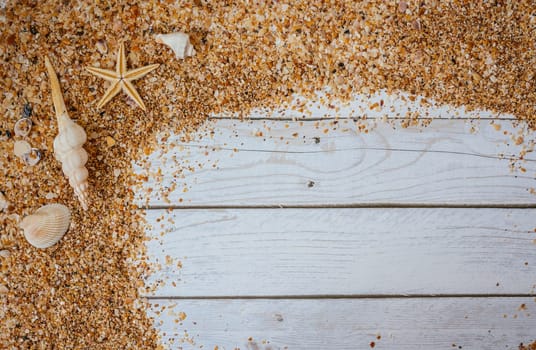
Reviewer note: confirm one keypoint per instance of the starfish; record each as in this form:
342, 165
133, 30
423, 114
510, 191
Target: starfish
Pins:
121, 79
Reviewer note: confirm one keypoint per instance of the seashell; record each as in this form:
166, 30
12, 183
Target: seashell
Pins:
23, 127
68, 144
178, 42
4, 253
33, 157
101, 46
21, 147
4, 203
47, 225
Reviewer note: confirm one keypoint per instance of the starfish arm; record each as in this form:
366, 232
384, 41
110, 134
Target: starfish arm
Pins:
103, 73
110, 93
121, 67
139, 72
130, 90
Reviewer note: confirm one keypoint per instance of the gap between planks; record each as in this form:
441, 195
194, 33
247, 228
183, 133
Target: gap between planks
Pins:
334, 296
319, 119
346, 206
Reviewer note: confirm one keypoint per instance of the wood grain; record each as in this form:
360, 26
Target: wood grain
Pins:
367, 251
322, 163
265, 279
347, 324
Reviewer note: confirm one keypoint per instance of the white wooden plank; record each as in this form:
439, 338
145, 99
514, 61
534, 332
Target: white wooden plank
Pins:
347, 324
376, 105
309, 163
367, 251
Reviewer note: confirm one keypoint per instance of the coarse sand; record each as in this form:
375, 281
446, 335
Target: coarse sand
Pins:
84, 292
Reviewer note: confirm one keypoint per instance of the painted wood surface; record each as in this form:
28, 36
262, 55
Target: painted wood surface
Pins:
347, 324
280, 163
233, 274
365, 251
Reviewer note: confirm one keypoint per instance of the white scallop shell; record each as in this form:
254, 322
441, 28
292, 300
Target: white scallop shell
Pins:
47, 225
68, 144
178, 42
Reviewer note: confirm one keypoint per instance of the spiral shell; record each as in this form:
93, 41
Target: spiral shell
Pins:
68, 144
47, 225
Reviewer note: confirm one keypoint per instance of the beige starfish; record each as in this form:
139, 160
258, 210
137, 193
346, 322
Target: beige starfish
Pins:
121, 79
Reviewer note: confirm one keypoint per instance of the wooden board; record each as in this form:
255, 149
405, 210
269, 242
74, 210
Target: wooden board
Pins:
442, 214
347, 324
321, 164
366, 251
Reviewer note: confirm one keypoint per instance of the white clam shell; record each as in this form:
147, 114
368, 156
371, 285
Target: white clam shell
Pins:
21, 147
178, 42
47, 225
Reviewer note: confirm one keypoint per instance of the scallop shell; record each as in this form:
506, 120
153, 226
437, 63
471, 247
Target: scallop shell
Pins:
178, 42
68, 144
47, 225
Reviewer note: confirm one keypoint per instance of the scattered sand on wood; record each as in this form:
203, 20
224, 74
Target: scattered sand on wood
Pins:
84, 292
531, 346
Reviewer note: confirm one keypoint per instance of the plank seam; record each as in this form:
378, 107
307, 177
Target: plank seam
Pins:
315, 119
520, 206
337, 296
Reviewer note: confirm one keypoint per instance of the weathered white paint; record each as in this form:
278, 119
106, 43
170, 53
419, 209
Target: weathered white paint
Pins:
347, 324
298, 163
367, 251
320, 160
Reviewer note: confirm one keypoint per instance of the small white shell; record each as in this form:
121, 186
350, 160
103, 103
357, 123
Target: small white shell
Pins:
47, 225
101, 46
21, 147
23, 127
178, 42
33, 157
